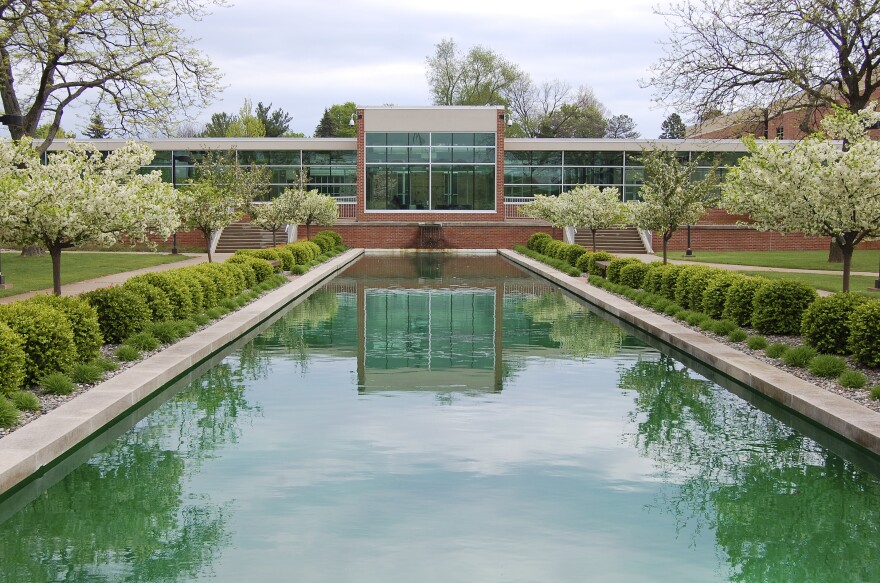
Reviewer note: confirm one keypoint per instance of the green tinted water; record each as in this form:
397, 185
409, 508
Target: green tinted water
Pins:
450, 420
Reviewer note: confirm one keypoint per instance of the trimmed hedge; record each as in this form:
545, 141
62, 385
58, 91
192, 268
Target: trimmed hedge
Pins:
592, 268
574, 253
302, 254
583, 262
267, 254
537, 241
612, 273
740, 294
121, 312
779, 305
690, 285
653, 279
337, 238
633, 274
825, 324
670, 281
175, 289
260, 268
325, 242
83, 318
864, 339
156, 299
46, 334
715, 294
12, 361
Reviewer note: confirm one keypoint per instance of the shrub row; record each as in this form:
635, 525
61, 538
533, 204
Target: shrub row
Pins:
301, 253
572, 255
838, 324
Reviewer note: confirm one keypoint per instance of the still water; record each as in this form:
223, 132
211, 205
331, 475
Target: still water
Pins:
450, 419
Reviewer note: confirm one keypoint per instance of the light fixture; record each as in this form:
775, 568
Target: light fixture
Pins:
507, 118
352, 121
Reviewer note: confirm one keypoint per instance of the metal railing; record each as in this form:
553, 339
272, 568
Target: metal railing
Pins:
346, 206
512, 206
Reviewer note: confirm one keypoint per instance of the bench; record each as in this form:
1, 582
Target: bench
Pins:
602, 266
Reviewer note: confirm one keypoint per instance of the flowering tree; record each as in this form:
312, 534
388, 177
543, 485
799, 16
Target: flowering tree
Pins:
79, 197
670, 195
220, 193
311, 207
815, 187
582, 207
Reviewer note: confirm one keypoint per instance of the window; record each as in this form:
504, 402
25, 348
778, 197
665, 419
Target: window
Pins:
421, 171
780, 133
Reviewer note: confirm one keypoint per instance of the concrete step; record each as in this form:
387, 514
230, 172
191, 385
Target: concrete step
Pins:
613, 240
247, 236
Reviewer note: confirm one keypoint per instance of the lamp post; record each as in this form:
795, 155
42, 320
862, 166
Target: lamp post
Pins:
174, 159
689, 252
877, 281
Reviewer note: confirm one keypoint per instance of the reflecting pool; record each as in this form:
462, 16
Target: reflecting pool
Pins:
440, 419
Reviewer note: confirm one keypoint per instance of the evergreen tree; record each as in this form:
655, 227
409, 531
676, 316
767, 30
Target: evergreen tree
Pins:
96, 129
621, 127
672, 128
326, 127
277, 123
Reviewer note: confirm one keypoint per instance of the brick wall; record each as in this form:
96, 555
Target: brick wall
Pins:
452, 236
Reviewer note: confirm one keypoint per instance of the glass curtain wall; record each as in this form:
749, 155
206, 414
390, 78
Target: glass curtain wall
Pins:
329, 172
425, 171
529, 173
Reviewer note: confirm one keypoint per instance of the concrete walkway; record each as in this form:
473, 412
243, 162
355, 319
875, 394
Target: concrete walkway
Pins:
648, 258
73, 289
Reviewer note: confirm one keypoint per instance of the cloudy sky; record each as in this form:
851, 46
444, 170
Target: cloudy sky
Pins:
305, 56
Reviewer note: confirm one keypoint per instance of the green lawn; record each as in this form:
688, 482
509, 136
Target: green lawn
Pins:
862, 260
857, 283
35, 273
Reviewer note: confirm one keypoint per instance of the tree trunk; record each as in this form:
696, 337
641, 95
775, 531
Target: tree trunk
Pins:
666, 238
308, 235
835, 253
55, 253
207, 235
847, 252
274, 244
32, 251
594, 239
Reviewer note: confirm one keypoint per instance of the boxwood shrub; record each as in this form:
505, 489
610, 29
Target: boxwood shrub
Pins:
715, 293
653, 280
302, 254
46, 335
121, 312
740, 293
691, 285
670, 281
222, 280
551, 247
583, 262
83, 320
864, 338
243, 276
175, 288
779, 304
574, 253
193, 287
156, 299
337, 238
537, 241
595, 257
267, 254
261, 268
825, 324
633, 274
612, 273
323, 241
12, 361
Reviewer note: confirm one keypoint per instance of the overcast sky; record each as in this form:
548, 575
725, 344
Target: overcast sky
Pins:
305, 56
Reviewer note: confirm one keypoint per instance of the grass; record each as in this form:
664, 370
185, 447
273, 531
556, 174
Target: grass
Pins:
35, 273
858, 284
863, 260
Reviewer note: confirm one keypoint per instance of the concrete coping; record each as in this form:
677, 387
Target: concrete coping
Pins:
846, 418
40, 444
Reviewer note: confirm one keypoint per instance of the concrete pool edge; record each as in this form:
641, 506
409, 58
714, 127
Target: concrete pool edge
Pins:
838, 414
45, 440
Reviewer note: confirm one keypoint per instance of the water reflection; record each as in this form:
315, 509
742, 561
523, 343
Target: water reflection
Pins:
781, 507
451, 419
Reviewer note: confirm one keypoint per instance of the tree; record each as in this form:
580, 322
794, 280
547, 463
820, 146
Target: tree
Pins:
480, 77
220, 193
218, 127
672, 128
280, 211
582, 207
326, 127
131, 56
78, 196
552, 110
341, 116
670, 195
621, 127
777, 54
277, 124
245, 124
815, 187
42, 133
96, 129
310, 207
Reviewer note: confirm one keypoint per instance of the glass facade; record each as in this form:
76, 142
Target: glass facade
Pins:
533, 172
430, 171
331, 172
